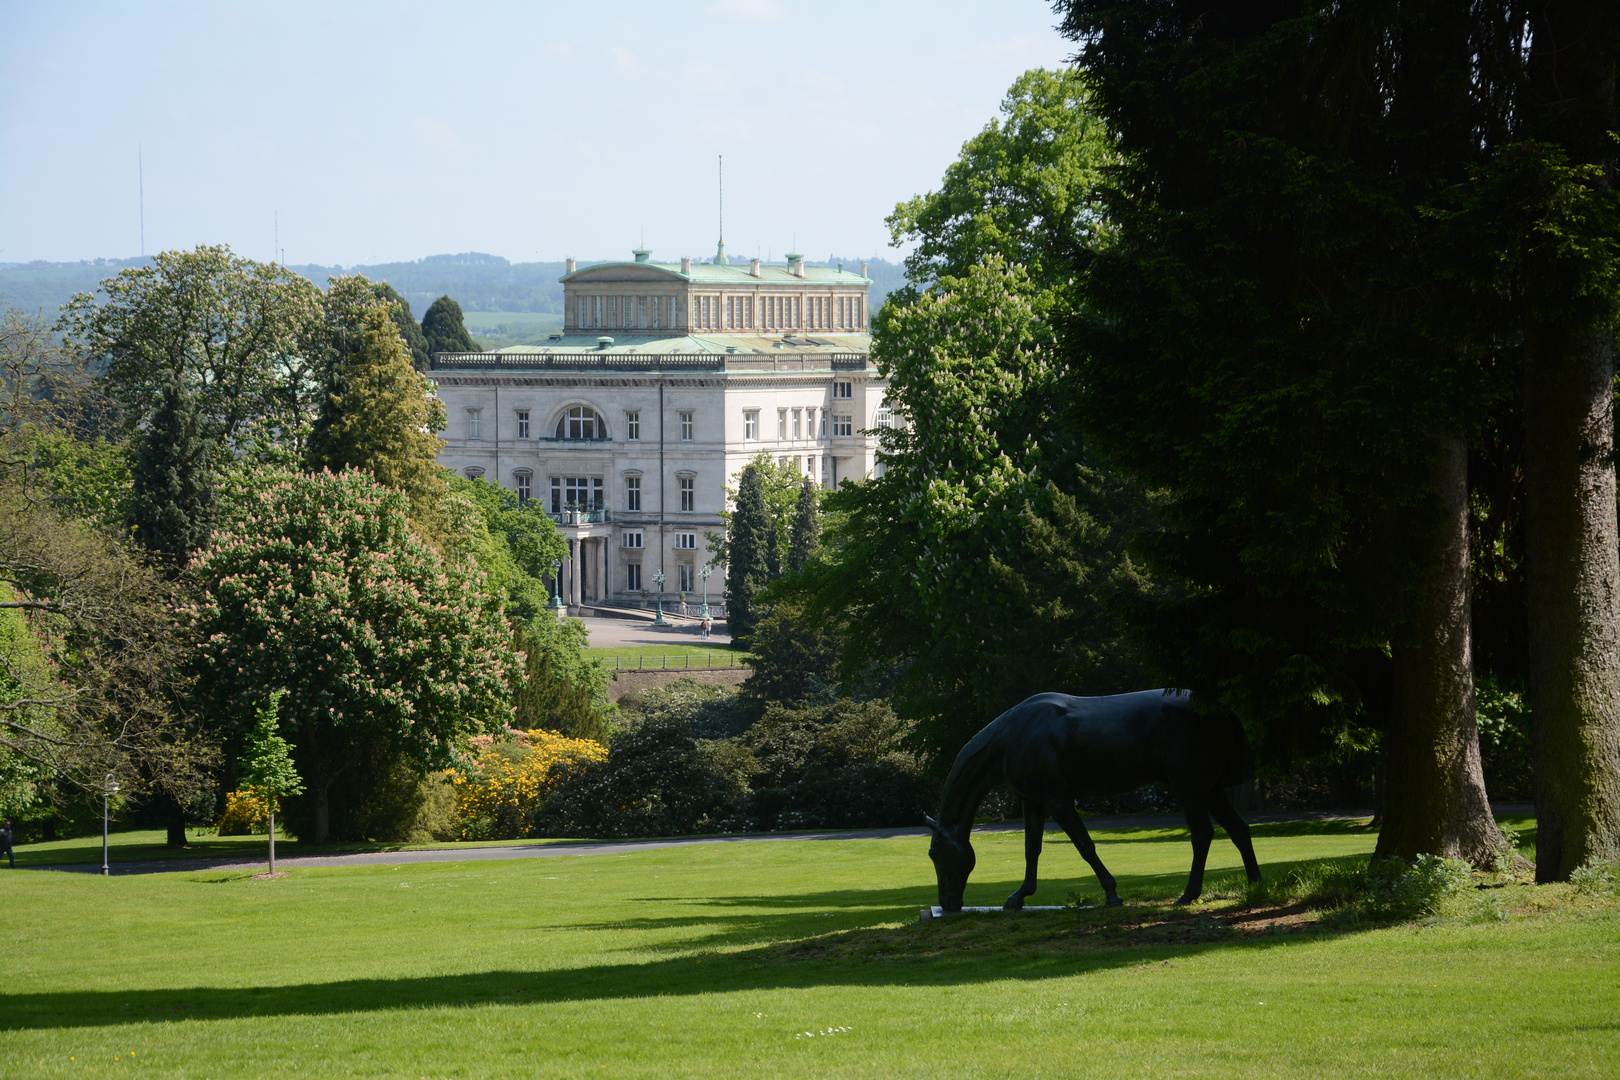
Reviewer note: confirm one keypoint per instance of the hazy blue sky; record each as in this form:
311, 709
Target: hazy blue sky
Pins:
537, 130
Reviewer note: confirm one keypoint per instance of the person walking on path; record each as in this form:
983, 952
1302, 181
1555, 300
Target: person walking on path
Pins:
5, 843
703, 629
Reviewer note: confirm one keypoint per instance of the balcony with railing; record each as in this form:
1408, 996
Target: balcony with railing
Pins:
582, 517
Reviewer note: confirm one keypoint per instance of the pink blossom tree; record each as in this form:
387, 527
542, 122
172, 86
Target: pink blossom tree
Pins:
320, 588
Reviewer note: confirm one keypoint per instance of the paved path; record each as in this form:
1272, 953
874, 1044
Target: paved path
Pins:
636, 633
620, 847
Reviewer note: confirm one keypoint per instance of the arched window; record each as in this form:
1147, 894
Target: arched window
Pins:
581, 422
474, 472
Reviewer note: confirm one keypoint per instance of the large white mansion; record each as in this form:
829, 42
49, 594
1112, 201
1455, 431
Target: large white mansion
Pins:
666, 379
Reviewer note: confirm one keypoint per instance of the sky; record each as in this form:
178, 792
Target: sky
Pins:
357, 132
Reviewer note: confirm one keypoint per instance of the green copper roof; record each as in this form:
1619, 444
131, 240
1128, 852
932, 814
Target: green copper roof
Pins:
721, 272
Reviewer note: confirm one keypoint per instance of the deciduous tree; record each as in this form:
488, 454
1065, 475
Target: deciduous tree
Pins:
315, 584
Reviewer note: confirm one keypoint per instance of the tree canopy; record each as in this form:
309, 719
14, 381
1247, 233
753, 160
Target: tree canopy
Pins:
444, 329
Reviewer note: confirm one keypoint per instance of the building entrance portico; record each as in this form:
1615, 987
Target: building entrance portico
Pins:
585, 573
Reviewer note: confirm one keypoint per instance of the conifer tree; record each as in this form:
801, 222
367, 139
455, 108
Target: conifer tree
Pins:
172, 505
806, 527
444, 329
750, 554
415, 342
379, 415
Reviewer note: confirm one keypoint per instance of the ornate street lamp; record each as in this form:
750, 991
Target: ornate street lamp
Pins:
704, 574
109, 788
556, 584
658, 579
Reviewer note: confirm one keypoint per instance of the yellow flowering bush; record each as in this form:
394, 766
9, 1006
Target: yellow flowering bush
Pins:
246, 812
502, 782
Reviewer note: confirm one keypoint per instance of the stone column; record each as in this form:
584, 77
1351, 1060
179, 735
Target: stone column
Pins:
603, 584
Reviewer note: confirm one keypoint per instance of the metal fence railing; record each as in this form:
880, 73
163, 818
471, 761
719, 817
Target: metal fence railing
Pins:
681, 662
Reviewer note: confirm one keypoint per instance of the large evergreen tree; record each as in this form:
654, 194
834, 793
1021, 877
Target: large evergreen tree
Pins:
1567, 282
171, 510
379, 413
409, 331
444, 330
806, 536
750, 555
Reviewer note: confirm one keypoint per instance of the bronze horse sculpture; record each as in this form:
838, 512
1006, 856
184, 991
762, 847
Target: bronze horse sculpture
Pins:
1053, 750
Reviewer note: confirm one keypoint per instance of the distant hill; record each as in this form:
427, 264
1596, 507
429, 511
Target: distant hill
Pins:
476, 281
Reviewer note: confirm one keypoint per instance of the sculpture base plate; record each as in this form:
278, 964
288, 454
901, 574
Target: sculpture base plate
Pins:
936, 912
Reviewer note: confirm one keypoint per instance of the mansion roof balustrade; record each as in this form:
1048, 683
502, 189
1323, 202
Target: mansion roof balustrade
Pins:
589, 360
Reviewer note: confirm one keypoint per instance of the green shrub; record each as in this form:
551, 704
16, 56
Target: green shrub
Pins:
1597, 879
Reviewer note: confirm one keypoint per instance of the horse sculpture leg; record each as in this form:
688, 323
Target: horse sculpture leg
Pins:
1237, 829
1034, 833
1063, 811
1202, 833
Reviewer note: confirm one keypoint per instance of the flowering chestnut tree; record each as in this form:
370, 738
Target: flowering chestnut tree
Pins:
318, 587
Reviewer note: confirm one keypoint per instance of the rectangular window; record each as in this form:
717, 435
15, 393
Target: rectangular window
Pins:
522, 479
798, 417
781, 423
810, 423
686, 427
750, 423
885, 418
630, 539
686, 541
523, 423
686, 576
641, 312
632, 493
579, 317
475, 424
810, 465
688, 494
632, 424
843, 390
556, 495
843, 426
632, 577
823, 423
578, 493
657, 311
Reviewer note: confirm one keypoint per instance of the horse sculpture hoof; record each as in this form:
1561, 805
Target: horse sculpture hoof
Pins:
1114, 901
1014, 903
1184, 899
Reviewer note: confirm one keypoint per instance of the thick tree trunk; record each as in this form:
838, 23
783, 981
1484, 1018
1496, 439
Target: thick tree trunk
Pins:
1573, 577
177, 833
323, 818
1434, 791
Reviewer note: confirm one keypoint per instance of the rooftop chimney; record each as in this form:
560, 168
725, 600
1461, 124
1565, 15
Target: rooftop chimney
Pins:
686, 264
795, 264
570, 269
753, 267
863, 269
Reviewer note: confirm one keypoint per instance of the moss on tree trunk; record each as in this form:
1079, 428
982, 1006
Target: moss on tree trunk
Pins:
1434, 797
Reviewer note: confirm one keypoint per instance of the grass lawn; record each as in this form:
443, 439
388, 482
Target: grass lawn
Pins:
684, 654
144, 845
797, 959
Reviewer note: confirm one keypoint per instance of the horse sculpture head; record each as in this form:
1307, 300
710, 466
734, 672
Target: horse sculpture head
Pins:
953, 862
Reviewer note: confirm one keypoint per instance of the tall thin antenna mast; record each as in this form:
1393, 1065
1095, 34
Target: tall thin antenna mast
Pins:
722, 200
140, 178
277, 248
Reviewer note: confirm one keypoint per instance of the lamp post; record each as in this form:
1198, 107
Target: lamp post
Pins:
658, 579
556, 584
109, 788
704, 574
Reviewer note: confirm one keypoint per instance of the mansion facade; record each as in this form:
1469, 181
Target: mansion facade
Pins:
666, 380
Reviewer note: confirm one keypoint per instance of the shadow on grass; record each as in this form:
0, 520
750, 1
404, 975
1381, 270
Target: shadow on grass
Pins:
838, 938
